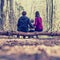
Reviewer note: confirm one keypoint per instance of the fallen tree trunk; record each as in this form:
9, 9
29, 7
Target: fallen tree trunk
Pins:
29, 33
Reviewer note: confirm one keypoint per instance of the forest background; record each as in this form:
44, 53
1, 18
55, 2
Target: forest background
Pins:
10, 11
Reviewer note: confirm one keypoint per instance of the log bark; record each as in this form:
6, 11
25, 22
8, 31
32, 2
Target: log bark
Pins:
29, 33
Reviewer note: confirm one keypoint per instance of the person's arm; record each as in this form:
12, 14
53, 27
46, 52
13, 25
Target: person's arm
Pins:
18, 22
29, 22
40, 22
35, 22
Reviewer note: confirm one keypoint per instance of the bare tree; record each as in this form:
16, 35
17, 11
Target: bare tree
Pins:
49, 16
1, 14
11, 16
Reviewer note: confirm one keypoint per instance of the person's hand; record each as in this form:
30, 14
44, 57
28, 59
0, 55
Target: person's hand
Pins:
34, 25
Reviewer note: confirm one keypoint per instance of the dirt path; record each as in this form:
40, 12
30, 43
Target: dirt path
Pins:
29, 49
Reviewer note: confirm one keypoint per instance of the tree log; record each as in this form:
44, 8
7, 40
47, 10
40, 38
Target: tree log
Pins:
29, 33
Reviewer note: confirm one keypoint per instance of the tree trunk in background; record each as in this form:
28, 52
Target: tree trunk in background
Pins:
50, 14
1, 14
11, 17
7, 15
47, 15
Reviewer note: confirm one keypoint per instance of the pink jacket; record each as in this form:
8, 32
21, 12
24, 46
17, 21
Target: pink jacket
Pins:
38, 23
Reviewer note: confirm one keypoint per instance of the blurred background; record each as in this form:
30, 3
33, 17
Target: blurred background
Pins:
10, 11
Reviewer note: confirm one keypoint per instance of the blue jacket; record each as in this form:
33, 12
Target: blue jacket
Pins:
23, 24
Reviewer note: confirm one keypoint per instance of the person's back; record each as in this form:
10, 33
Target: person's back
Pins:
38, 22
23, 23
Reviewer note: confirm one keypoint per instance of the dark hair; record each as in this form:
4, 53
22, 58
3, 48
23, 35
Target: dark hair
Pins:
37, 14
24, 13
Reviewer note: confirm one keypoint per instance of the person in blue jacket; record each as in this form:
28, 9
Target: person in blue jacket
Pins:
23, 23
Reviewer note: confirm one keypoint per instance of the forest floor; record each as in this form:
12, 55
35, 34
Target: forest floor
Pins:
30, 49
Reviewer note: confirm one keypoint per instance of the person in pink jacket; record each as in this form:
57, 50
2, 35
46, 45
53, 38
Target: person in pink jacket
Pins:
38, 22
